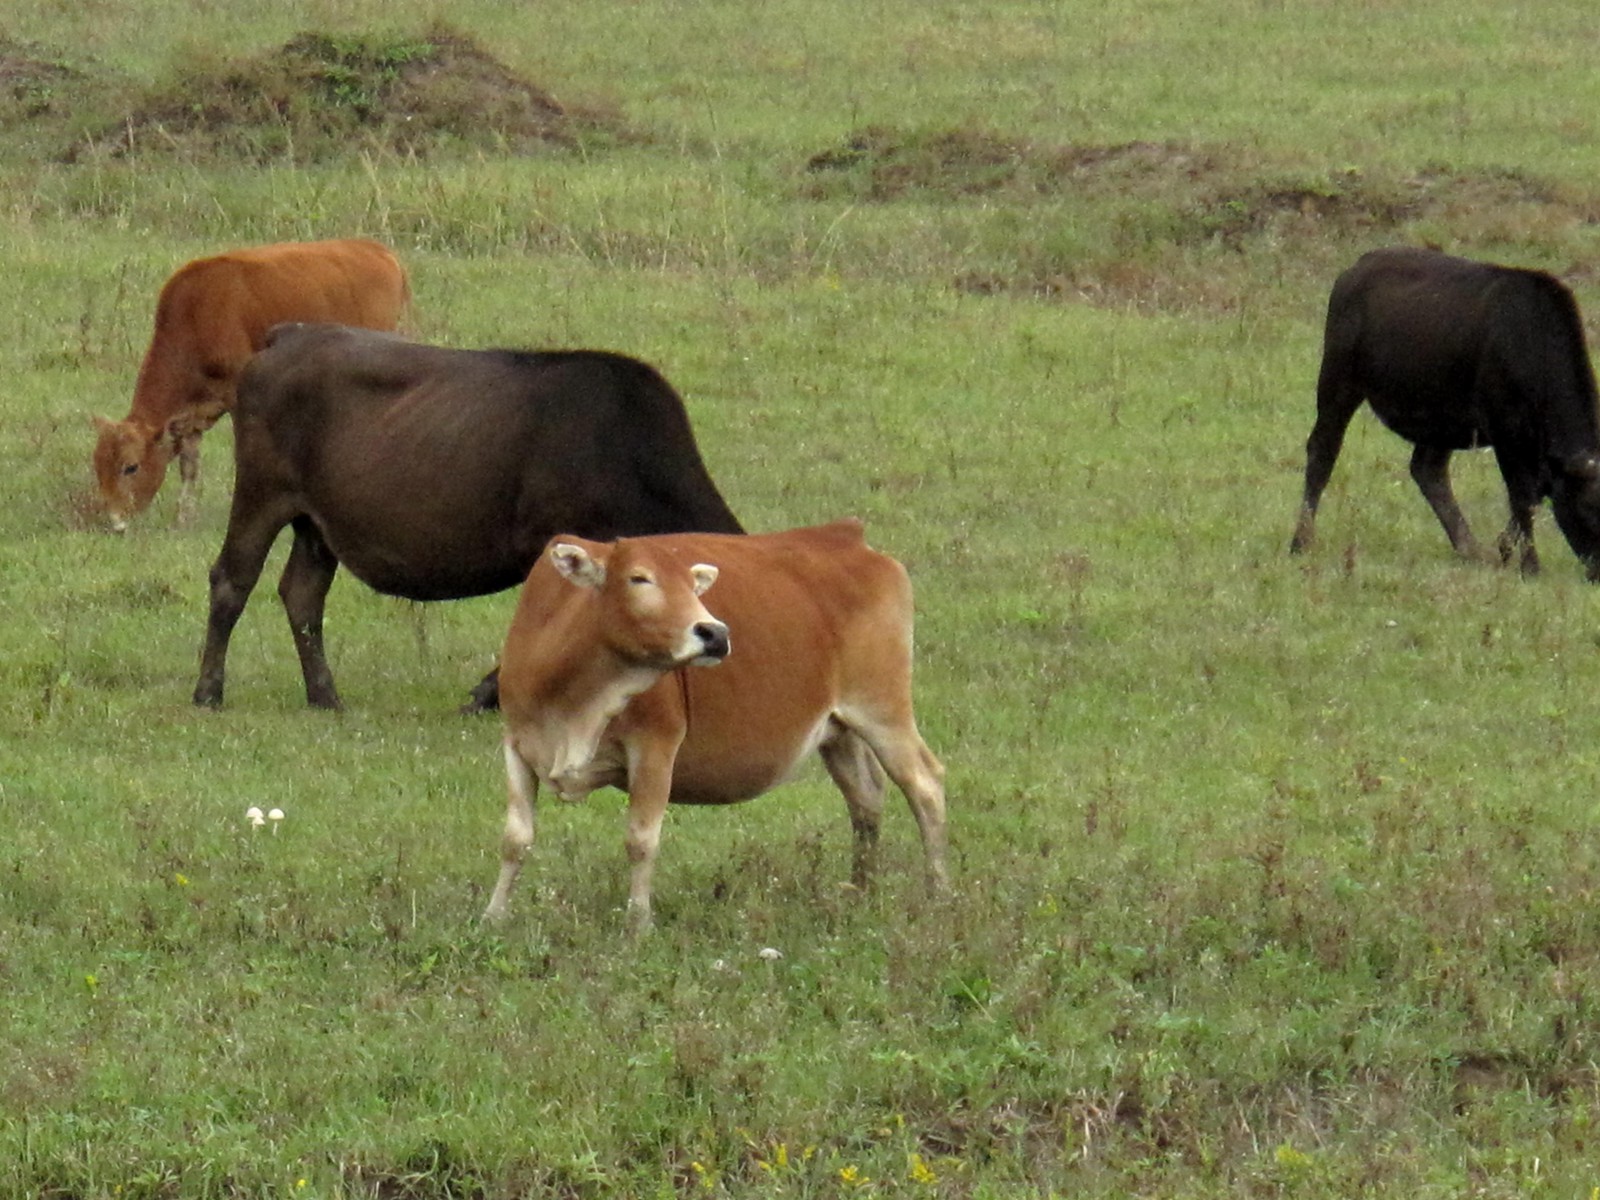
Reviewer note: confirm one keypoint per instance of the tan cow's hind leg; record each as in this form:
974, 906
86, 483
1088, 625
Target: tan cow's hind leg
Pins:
856, 773
917, 773
522, 786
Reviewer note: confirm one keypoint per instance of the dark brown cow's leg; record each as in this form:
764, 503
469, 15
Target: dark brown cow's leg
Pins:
1430, 467
234, 575
303, 588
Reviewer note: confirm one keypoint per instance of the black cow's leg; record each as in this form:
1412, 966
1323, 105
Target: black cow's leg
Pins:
1430, 467
485, 697
303, 588
1522, 493
1336, 404
233, 576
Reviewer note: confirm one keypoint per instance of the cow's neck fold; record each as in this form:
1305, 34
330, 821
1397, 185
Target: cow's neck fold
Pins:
574, 711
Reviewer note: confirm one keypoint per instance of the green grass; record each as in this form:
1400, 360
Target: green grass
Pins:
1273, 877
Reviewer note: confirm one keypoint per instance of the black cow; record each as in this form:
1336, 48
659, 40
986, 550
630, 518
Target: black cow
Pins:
1454, 354
436, 474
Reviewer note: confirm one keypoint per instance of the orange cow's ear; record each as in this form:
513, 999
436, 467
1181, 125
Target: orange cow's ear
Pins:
102, 423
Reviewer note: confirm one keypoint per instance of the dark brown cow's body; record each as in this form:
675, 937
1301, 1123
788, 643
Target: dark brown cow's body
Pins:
212, 315
603, 683
436, 474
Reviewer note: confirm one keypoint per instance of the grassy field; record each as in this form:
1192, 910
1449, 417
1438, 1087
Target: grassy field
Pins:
1272, 877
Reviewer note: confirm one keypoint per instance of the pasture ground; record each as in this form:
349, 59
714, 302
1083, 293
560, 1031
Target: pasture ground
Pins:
1272, 877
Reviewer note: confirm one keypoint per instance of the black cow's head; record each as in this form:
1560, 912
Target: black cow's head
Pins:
1575, 498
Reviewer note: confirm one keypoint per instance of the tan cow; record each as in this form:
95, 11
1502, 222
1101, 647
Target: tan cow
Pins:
811, 644
212, 315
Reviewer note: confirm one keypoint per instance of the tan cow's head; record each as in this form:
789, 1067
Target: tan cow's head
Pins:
130, 461
649, 605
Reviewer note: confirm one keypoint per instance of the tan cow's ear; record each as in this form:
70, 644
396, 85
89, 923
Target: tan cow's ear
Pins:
704, 575
103, 423
576, 563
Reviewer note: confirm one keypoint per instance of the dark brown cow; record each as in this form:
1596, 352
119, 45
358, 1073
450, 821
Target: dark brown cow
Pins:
212, 315
435, 474
1454, 354
811, 639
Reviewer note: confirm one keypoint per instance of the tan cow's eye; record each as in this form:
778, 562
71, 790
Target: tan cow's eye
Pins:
130, 469
640, 577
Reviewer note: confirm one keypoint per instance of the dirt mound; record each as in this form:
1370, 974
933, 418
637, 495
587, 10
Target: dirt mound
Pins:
879, 163
322, 96
1174, 213
43, 90
1216, 190
30, 84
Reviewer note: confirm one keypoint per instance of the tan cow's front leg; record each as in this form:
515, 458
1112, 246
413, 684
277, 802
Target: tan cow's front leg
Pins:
522, 786
649, 788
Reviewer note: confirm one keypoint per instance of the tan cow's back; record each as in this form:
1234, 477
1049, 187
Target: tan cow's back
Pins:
212, 315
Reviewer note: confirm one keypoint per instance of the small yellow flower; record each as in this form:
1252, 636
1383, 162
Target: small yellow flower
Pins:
1290, 1158
298, 1184
920, 1171
181, 879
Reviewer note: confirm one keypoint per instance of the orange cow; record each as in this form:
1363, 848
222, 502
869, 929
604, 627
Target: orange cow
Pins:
213, 314
812, 646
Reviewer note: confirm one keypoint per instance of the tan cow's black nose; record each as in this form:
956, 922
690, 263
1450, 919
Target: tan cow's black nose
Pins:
713, 637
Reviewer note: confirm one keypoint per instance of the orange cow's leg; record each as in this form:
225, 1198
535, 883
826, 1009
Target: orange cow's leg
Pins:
188, 476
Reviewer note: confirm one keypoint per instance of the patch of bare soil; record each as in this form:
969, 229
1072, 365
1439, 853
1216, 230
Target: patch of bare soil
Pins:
323, 96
